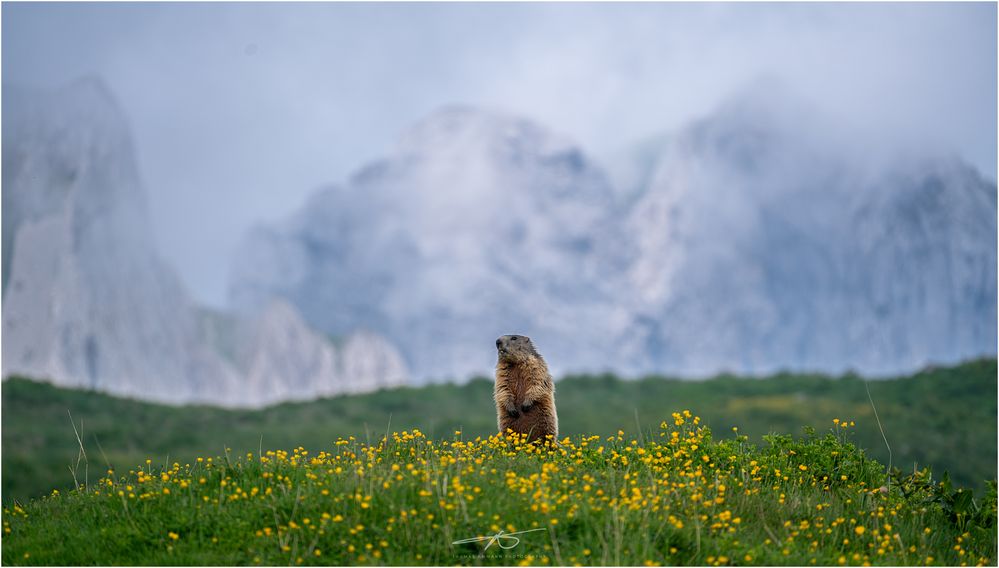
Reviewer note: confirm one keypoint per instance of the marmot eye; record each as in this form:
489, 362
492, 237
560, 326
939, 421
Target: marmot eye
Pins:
514, 338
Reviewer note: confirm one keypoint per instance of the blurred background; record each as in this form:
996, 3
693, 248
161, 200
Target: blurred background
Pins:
313, 220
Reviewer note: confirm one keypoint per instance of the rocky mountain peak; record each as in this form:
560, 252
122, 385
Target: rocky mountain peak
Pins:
761, 239
89, 303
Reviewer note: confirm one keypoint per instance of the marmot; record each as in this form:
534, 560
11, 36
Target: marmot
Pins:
524, 391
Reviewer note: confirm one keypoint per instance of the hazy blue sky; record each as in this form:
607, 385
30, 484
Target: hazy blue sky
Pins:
240, 110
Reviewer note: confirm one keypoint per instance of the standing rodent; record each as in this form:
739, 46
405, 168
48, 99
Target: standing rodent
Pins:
524, 391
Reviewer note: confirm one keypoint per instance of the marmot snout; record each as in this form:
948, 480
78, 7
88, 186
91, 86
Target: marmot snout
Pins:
524, 391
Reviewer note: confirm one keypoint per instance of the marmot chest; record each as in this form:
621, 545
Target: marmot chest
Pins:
518, 382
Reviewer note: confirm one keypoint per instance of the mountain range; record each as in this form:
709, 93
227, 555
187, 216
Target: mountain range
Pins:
760, 237
87, 302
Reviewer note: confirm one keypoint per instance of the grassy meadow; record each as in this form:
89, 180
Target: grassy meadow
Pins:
673, 496
789, 469
944, 418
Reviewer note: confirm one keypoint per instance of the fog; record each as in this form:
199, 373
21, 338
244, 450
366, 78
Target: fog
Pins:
239, 111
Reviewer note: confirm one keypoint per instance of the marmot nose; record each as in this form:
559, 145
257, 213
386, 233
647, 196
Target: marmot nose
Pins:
499, 342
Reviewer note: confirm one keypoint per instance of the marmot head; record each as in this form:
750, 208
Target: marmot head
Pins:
515, 348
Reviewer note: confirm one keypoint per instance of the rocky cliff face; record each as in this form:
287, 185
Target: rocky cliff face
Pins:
764, 243
281, 358
759, 239
88, 303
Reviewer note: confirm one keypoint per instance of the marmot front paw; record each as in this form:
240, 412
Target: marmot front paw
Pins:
511, 410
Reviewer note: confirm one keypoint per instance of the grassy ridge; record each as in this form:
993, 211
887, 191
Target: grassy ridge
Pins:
673, 496
945, 418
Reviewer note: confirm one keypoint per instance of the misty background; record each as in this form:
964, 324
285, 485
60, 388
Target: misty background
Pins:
240, 111
267, 225
249, 203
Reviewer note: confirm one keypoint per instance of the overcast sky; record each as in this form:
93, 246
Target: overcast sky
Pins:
241, 110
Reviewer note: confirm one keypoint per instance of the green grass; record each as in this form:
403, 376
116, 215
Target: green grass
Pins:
673, 496
944, 418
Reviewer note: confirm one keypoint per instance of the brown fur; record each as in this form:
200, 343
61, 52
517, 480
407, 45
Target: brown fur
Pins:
524, 390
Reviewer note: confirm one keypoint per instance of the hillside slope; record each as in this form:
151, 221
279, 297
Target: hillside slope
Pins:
945, 418
673, 496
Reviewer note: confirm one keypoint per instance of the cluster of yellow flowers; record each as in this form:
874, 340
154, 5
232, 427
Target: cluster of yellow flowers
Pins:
678, 497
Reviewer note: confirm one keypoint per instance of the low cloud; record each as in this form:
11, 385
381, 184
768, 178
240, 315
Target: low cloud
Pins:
241, 110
